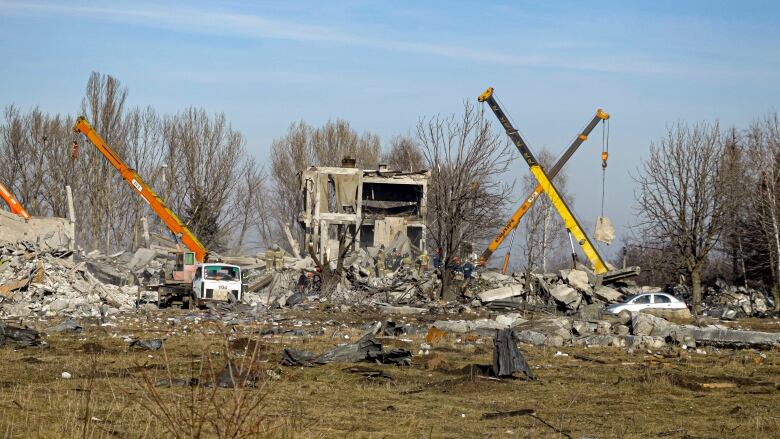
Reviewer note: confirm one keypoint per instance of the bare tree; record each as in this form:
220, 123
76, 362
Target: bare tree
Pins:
143, 152
24, 164
681, 196
305, 146
763, 139
209, 156
543, 227
196, 163
466, 196
247, 200
104, 106
404, 155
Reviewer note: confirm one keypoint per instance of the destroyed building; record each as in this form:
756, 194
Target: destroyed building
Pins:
381, 207
50, 232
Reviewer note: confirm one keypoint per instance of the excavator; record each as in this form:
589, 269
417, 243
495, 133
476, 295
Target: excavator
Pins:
13, 204
194, 279
514, 221
570, 221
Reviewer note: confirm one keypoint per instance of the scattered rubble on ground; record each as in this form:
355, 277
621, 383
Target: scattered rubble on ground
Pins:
550, 309
50, 282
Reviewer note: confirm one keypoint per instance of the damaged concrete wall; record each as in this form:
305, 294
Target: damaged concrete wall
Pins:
380, 206
44, 232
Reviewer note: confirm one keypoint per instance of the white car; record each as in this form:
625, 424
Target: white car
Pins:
645, 301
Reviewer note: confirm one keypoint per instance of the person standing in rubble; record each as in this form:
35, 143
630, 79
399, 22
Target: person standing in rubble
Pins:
269, 259
406, 262
468, 269
395, 259
456, 268
437, 259
422, 262
278, 258
380, 261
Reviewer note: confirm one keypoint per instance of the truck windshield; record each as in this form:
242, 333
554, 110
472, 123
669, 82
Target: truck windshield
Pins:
221, 272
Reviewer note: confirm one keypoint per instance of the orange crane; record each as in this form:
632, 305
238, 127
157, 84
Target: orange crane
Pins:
528, 201
132, 178
13, 204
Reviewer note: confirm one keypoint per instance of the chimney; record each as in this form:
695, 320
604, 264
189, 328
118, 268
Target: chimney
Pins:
348, 162
382, 167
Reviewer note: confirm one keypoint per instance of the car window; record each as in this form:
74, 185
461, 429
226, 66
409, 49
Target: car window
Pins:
660, 298
642, 299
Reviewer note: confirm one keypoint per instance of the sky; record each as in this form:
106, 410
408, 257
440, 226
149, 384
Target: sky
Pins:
382, 65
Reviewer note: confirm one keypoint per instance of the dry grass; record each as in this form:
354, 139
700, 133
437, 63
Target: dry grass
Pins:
113, 391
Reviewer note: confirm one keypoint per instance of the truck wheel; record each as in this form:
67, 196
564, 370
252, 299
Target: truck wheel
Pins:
232, 298
185, 302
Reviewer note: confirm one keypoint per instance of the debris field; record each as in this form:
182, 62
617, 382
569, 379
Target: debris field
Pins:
87, 349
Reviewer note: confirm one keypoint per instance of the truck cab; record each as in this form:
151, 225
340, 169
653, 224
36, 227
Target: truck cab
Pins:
217, 282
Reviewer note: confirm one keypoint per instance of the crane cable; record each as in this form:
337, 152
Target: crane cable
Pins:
604, 157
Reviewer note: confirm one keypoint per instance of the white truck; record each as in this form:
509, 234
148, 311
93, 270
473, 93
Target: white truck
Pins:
187, 283
218, 282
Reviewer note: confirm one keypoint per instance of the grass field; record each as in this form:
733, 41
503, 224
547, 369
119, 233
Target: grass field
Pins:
607, 392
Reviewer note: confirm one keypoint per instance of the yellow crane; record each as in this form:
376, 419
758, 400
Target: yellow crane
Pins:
570, 222
528, 201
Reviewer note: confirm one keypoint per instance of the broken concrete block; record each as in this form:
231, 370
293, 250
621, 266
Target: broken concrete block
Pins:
595, 340
648, 324
58, 305
620, 329
759, 305
566, 295
583, 328
141, 258
555, 341
494, 276
464, 326
603, 328
607, 294
644, 342
728, 314
509, 320
532, 337
590, 313
624, 317
717, 336
682, 315
500, 293
579, 280
106, 273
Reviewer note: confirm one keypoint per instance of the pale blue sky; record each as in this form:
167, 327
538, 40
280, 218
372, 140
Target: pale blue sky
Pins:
383, 64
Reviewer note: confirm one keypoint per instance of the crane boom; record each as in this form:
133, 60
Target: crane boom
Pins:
132, 178
514, 221
13, 204
571, 223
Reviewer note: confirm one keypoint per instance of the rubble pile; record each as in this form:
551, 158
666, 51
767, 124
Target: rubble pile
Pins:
34, 281
566, 291
637, 330
728, 302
